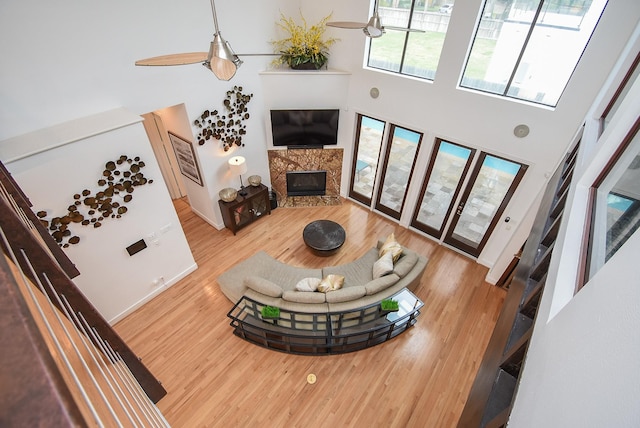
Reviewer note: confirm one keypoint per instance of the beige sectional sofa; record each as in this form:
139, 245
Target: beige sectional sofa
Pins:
271, 282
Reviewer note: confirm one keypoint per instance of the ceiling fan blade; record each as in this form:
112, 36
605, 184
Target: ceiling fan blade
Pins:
175, 59
409, 30
350, 25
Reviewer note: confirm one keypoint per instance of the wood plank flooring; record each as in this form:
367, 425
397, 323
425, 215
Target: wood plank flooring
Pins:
213, 378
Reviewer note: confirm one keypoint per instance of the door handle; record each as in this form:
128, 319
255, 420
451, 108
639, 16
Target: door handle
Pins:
459, 209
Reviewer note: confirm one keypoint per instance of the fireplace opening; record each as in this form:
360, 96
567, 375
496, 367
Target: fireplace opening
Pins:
306, 183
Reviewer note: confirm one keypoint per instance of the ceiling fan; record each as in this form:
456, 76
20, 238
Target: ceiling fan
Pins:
373, 28
221, 59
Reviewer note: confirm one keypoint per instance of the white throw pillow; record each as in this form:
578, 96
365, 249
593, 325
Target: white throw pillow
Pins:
308, 284
383, 266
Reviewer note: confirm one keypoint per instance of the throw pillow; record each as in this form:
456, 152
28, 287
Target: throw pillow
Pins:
383, 266
391, 245
405, 264
376, 285
264, 286
308, 284
331, 282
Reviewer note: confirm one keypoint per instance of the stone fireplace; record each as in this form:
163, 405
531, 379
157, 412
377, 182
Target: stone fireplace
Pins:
314, 161
306, 183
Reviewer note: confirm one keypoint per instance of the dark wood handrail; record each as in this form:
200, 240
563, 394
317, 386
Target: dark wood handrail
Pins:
48, 267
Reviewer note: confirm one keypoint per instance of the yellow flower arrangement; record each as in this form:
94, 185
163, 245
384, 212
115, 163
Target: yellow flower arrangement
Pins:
304, 44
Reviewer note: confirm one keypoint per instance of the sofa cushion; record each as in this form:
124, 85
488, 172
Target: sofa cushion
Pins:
346, 294
357, 272
383, 266
391, 245
405, 263
381, 283
331, 283
263, 286
308, 284
303, 297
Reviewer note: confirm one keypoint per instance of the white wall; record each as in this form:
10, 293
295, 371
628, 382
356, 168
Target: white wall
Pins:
113, 281
582, 364
72, 59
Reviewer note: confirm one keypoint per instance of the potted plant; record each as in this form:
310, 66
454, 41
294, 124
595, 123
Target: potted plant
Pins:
304, 47
388, 305
270, 312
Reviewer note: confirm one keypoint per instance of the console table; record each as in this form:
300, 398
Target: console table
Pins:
245, 209
324, 333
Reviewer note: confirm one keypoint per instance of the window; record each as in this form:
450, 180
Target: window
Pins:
615, 203
398, 166
369, 135
447, 170
628, 80
406, 52
528, 49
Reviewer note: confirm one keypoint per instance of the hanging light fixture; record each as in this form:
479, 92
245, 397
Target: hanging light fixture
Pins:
221, 60
374, 27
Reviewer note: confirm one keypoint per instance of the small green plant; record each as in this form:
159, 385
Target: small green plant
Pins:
389, 305
270, 312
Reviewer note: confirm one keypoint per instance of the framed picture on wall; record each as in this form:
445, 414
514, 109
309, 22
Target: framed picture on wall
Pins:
186, 156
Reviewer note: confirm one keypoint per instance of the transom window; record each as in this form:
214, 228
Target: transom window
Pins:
407, 52
528, 49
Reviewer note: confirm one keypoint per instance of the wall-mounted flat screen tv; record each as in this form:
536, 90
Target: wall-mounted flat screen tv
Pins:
305, 128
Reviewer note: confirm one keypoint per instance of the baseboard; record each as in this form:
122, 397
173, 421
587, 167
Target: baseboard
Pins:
153, 294
207, 219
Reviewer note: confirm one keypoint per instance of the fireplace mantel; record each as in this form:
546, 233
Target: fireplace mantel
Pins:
284, 160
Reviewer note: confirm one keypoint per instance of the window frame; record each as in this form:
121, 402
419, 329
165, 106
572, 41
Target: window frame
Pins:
388, 147
415, 222
593, 229
356, 147
523, 50
412, 9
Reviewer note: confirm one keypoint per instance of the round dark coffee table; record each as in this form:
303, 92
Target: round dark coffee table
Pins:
324, 237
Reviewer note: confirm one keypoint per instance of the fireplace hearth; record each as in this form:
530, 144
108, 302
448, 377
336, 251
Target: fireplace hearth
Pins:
306, 183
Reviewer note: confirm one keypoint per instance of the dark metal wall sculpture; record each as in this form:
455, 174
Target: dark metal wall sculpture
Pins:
227, 127
118, 181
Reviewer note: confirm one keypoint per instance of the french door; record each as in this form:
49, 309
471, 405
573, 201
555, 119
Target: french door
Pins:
470, 219
448, 167
399, 162
387, 174
369, 136
459, 204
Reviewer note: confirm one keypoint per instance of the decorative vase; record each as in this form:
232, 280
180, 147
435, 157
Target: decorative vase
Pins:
254, 180
228, 194
307, 66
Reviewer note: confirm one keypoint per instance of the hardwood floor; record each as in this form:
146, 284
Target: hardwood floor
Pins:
213, 378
